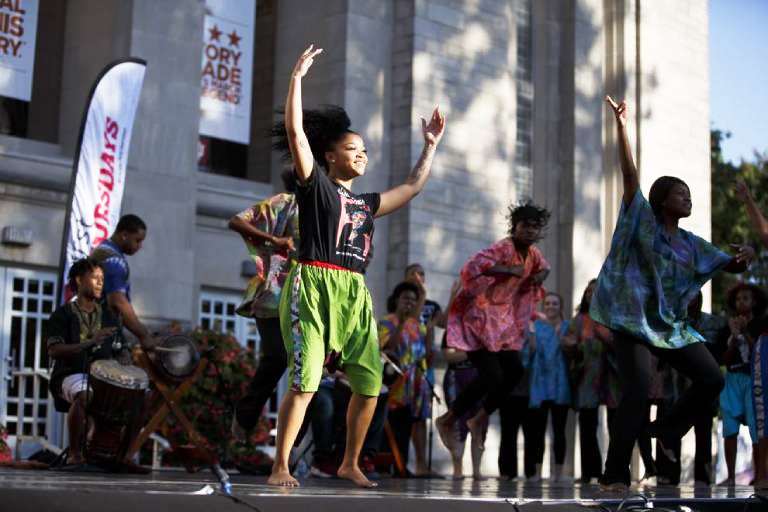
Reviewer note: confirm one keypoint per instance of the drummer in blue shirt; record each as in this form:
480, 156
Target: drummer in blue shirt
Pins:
111, 254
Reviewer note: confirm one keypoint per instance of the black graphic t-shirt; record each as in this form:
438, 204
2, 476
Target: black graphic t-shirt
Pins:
336, 225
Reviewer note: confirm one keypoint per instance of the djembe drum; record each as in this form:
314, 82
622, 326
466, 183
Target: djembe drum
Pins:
174, 365
118, 396
176, 357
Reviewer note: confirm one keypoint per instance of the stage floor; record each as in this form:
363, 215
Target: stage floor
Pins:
42, 491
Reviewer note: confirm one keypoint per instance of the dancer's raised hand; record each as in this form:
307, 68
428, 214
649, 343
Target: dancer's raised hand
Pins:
619, 110
756, 217
628, 168
301, 153
305, 61
742, 191
433, 131
398, 196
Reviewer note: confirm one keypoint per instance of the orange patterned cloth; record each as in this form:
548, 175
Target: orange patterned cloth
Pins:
492, 311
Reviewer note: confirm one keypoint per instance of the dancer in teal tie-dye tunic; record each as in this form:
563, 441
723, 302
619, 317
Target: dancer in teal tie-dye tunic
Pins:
654, 269
650, 276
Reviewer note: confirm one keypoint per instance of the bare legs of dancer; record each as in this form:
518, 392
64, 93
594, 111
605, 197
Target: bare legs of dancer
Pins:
359, 414
478, 424
730, 444
419, 437
457, 458
289, 420
478, 428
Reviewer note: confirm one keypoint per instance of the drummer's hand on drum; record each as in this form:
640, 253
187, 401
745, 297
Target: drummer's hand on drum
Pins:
124, 358
100, 337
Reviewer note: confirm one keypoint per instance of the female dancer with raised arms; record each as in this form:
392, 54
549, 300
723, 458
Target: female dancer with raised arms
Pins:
653, 271
326, 311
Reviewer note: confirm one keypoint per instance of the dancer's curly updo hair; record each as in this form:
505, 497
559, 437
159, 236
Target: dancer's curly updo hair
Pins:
323, 127
527, 210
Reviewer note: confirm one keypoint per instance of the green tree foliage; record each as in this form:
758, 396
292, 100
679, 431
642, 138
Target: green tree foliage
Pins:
730, 223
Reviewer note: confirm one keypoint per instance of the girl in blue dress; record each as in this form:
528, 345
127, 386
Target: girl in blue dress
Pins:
550, 389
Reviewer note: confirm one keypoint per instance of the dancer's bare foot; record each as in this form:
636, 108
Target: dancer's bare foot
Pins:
476, 426
354, 474
445, 430
282, 478
421, 470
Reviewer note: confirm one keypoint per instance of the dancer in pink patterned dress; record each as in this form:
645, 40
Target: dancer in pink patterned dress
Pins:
500, 287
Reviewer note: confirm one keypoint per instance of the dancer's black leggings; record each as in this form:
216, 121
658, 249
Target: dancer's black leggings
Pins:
272, 364
633, 355
645, 444
514, 413
498, 374
591, 460
559, 415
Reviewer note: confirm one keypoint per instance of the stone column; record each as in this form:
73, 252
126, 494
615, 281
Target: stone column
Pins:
162, 168
96, 32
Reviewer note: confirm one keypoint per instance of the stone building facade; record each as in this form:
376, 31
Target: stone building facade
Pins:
521, 82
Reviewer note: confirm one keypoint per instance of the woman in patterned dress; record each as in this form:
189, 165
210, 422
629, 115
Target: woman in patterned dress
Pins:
550, 387
586, 347
500, 287
404, 339
270, 230
459, 374
653, 270
327, 311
